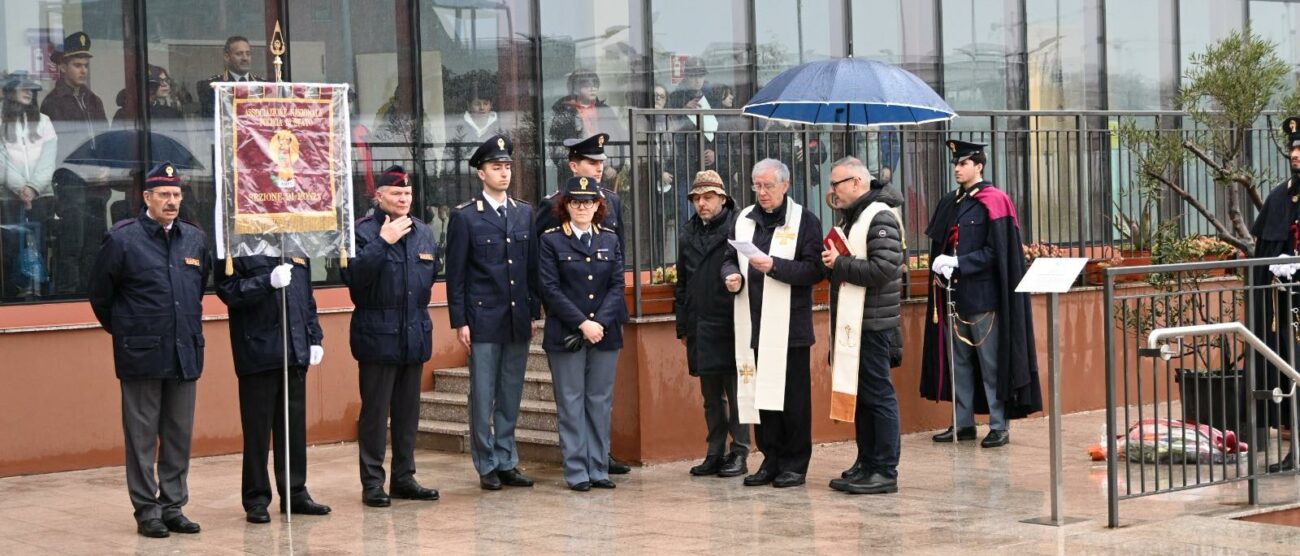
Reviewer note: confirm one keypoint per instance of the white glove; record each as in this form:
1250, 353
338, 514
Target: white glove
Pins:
1282, 270
281, 276
317, 353
944, 264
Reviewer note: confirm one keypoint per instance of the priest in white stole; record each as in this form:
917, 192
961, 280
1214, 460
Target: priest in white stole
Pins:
774, 332
865, 337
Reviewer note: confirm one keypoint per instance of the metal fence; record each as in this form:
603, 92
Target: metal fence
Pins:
1073, 180
1158, 397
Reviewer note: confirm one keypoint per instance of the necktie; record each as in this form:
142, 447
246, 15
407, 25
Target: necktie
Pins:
586, 239
501, 210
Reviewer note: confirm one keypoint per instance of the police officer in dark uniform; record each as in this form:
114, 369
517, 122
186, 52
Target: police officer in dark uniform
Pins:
256, 339
237, 60
580, 275
147, 291
390, 280
490, 263
587, 160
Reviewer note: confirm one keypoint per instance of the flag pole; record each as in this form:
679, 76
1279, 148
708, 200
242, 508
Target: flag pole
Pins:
286, 497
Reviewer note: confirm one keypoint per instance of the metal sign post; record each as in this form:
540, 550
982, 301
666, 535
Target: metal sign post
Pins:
1053, 276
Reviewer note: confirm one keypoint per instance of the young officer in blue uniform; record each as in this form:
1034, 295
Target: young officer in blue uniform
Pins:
580, 275
491, 258
390, 281
253, 295
587, 159
147, 291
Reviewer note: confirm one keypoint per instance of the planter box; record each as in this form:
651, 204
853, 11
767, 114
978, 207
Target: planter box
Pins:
918, 282
1212, 398
656, 299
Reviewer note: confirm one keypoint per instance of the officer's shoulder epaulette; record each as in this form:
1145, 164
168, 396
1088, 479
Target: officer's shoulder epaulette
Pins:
522, 202
465, 204
605, 228
551, 230
552, 195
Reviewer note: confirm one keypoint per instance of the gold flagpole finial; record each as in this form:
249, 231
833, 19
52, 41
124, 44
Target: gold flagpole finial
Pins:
277, 48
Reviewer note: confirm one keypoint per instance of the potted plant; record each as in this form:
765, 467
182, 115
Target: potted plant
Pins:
1094, 273
1137, 232
657, 296
918, 276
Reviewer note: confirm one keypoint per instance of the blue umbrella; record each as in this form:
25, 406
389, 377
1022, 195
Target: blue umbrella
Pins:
849, 91
119, 149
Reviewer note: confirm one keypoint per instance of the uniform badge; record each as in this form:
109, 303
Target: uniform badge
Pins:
583, 183
600, 141
501, 143
426, 256
169, 171
300, 260
192, 261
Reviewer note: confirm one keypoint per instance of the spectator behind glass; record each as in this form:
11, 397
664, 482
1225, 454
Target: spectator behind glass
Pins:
162, 104
471, 122
28, 147
583, 114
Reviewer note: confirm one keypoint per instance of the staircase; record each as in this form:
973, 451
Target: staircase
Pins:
444, 412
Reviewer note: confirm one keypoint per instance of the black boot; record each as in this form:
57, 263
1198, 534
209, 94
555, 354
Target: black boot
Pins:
1285, 465
711, 466
735, 466
963, 433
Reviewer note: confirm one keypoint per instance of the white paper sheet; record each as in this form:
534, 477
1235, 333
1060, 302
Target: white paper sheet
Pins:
746, 248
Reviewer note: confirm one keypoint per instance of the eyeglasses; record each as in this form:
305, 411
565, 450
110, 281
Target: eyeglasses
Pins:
582, 203
837, 183
176, 195
765, 186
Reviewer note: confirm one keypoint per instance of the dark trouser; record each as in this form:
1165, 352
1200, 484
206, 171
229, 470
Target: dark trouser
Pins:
389, 393
722, 416
876, 415
157, 419
785, 437
261, 412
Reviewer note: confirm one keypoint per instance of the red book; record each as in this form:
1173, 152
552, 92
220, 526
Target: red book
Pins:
838, 241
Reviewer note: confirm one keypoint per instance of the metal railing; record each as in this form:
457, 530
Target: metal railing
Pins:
1194, 388
1073, 180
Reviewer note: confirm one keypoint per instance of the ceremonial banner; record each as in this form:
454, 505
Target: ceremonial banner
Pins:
285, 179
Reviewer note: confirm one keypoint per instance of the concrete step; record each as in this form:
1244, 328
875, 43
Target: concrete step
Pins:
537, 361
537, 384
453, 407
533, 445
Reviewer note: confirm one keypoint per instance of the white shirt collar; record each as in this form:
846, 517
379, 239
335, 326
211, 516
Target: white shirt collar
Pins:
494, 203
579, 232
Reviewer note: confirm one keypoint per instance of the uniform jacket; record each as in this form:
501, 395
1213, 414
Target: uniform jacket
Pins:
207, 96
703, 306
580, 283
975, 289
255, 333
390, 286
490, 265
146, 289
803, 272
545, 218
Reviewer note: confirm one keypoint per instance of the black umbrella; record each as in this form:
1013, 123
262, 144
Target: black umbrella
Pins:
120, 149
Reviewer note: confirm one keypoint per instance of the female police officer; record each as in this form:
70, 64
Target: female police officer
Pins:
580, 275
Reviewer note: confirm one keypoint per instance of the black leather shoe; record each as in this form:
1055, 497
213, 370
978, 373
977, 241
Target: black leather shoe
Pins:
181, 524
304, 505
858, 473
710, 466
581, 487
857, 468
153, 528
603, 483
412, 490
257, 515
489, 482
872, 483
964, 433
512, 477
1285, 465
734, 467
764, 476
788, 479
995, 439
617, 467
375, 498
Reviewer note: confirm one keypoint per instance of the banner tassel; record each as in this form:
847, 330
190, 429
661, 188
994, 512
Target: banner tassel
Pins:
343, 257
230, 262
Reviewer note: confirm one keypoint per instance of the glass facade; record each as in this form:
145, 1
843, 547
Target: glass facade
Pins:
432, 78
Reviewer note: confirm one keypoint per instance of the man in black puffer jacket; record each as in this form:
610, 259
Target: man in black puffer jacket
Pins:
880, 273
704, 310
